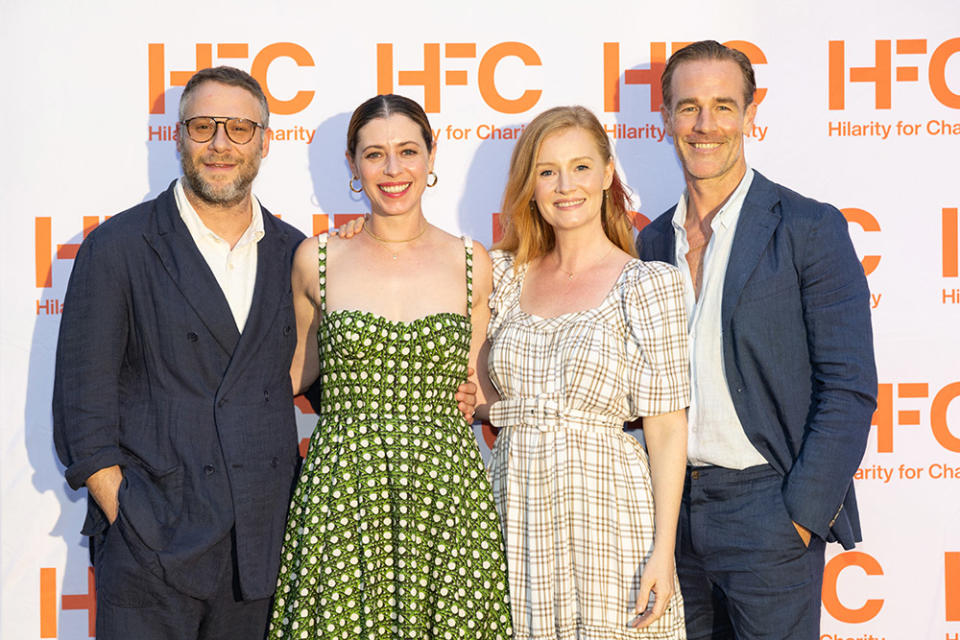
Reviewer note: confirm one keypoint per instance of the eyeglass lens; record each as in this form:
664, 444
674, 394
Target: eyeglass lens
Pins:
203, 129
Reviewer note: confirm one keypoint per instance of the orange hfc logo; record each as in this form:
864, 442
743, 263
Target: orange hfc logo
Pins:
951, 251
866, 221
160, 79
885, 418
868, 610
72, 602
883, 72
651, 76
45, 253
432, 78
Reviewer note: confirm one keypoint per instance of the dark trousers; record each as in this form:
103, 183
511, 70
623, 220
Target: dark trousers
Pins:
134, 603
744, 570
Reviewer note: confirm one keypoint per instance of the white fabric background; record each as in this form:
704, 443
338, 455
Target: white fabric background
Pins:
75, 117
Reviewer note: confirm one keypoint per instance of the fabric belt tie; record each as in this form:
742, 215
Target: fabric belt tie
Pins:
548, 414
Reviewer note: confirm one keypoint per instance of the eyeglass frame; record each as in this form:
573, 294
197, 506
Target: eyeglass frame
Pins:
217, 121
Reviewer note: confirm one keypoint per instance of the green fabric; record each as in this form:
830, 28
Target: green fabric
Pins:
392, 531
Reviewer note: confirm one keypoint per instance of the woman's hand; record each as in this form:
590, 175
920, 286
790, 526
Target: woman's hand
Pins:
657, 580
351, 228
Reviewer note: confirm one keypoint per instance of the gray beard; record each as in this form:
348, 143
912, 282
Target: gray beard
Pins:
225, 195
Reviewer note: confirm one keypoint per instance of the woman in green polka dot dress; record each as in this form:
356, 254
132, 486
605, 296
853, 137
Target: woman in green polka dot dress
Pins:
392, 531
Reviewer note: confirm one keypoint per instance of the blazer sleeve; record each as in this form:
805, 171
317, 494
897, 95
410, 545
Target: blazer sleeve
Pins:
836, 312
94, 331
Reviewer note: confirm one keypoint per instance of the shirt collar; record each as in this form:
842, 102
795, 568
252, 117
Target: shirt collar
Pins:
198, 229
730, 211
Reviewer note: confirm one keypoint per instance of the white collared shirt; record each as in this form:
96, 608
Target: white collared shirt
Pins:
235, 269
716, 436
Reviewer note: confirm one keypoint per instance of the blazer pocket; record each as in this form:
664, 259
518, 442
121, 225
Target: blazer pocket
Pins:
151, 503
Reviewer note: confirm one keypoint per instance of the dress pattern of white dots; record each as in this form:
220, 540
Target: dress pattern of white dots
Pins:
392, 531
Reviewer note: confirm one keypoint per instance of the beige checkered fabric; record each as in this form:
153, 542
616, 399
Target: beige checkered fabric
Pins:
572, 489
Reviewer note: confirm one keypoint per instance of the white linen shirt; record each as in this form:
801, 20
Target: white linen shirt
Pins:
716, 436
235, 269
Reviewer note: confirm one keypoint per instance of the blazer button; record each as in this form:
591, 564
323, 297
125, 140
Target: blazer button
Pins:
266, 395
192, 337
208, 469
275, 463
286, 330
222, 402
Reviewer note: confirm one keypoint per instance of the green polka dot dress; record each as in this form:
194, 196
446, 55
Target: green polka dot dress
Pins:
392, 531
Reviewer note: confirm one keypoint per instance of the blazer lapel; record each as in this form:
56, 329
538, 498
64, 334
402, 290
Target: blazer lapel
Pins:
661, 241
186, 267
273, 282
756, 225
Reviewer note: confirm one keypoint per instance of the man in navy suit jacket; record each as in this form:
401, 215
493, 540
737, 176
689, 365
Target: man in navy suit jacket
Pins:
172, 399
782, 366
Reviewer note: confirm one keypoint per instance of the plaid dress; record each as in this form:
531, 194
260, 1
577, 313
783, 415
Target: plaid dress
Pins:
572, 489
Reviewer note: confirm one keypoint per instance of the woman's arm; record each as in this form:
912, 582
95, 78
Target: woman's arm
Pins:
666, 438
305, 282
479, 347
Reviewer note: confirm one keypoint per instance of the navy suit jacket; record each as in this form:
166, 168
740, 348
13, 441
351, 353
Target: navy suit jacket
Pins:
153, 375
797, 348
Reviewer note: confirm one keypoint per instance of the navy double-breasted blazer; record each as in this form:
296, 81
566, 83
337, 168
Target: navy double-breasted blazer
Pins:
797, 348
153, 375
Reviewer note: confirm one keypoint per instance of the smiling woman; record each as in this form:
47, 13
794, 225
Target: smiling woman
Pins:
584, 337
392, 530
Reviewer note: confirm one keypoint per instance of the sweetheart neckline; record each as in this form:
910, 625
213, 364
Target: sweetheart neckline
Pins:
378, 317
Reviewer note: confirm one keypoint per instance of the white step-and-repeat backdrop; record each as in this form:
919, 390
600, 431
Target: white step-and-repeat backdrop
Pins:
860, 106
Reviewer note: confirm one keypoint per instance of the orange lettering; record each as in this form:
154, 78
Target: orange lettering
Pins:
48, 602
938, 74
951, 573
638, 220
86, 601
938, 417
868, 223
261, 64
756, 56
883, 418
831, 574
43, 240
951, 259
486, 80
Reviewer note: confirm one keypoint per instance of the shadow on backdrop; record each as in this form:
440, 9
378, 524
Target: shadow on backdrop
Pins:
650, 168
330, 172
47, 471
483, 188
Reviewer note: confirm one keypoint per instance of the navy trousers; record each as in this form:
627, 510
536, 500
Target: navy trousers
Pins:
134, 603
744, 570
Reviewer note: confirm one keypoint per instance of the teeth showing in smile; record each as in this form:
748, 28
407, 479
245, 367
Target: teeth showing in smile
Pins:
705, 145
394, 188
569, 203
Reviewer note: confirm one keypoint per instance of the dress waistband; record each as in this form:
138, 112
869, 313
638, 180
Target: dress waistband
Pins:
547, 414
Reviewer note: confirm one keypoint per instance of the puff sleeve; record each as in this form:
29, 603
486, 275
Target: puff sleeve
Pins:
657, 343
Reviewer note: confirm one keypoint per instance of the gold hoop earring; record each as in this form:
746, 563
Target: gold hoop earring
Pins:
434, 183
351, 185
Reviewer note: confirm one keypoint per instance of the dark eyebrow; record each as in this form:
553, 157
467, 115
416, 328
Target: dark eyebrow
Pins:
380, 146
695, 102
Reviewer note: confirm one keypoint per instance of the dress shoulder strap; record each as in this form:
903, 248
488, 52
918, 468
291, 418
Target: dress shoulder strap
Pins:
468, 249
322, 268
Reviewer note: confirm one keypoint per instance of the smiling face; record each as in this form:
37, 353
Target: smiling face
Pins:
707, 121
570, 177
219, 172
392, 162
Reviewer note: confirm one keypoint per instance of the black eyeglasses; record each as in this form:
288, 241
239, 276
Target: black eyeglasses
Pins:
204, 128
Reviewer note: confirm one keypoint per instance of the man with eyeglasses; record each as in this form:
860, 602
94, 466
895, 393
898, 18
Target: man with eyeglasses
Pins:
172, 398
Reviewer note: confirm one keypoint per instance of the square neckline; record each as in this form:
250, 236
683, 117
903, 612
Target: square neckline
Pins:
521, 280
